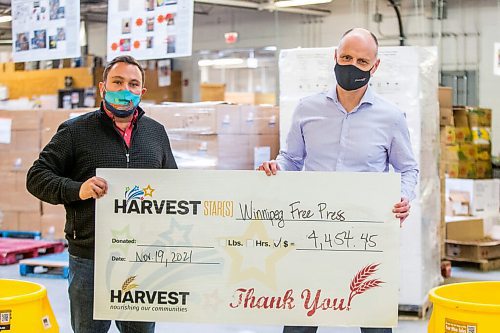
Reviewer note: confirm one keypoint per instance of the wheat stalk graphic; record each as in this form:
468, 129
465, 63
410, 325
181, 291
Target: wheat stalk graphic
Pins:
360, 284
128, 285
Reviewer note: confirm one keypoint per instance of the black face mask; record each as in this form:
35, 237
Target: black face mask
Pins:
350, 77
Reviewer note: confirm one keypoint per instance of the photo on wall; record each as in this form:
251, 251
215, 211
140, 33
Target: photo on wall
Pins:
61, 34
22, 42
126, 25
40, 39
171, 44
149, 5
125, 44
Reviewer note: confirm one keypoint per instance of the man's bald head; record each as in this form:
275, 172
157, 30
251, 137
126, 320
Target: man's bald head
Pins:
360, 35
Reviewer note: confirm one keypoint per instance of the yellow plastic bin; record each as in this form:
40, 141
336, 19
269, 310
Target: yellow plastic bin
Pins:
472, 307
24, 307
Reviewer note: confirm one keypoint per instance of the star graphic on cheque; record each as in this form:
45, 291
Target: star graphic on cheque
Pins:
148, 191
269, 256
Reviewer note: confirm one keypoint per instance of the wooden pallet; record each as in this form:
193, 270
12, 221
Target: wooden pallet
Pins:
414, 312
21, 234
484, 265
13, 249
48, 266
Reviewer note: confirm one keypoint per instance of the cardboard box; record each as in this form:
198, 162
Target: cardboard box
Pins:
29, 221
446, 116
259, 120
52, 119
445, 97
449, 153
9, 221
484, 169
463, 135
467, 169
467, 152
265, 140
13, 181
447, 135
484, 194
22, 120
55, 223
481, 135
228, 119
483, 152
19, 201
188, 120
26, 140
240, 97
17, 160
460, 117
464, 228
212, 91
479, 117
450, 168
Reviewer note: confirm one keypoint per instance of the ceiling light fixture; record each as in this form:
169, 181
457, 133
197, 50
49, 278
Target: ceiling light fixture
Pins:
220, 62
6, 18
294, 3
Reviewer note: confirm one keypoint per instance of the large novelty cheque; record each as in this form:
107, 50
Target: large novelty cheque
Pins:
298, 248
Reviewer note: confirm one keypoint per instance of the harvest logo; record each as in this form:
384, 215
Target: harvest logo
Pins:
311, 301
136, 201
130, 294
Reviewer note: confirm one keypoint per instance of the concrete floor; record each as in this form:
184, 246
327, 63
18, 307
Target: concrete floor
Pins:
58, 296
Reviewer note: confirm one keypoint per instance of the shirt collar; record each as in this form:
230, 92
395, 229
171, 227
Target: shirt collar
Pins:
368, 97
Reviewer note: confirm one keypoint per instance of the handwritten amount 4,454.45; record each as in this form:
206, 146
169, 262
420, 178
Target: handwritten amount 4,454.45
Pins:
344, 240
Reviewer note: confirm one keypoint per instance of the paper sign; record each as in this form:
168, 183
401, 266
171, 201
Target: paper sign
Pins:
5, 130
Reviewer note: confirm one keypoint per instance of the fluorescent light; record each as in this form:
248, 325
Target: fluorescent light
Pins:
205, 62
292, 3
6, 18
220, 62
227, 61
270, 48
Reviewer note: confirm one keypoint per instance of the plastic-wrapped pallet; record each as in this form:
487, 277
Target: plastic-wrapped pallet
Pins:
408, 77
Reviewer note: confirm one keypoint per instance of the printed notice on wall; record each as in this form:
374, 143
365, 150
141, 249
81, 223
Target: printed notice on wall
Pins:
45, 29
240, 247
150, 29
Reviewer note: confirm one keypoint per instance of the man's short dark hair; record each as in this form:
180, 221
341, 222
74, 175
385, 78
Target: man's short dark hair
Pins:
371, 33
127, 59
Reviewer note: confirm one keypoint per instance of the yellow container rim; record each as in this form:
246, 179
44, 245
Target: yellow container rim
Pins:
469, 306
39, 292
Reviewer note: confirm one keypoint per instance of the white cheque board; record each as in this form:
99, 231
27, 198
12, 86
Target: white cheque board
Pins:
298, 248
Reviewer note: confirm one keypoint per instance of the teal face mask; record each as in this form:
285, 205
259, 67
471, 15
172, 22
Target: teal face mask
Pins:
121, 103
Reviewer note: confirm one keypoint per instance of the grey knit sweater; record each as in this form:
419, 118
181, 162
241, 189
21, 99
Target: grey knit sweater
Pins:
79, 147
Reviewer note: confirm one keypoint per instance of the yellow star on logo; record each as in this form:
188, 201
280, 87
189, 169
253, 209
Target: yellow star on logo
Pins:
148, 191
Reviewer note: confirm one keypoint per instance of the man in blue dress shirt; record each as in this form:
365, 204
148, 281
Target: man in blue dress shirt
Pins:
350, 128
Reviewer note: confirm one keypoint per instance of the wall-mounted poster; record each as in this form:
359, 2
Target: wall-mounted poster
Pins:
150, 29
45, 29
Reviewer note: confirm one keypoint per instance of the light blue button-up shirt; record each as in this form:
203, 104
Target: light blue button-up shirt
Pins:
325, 137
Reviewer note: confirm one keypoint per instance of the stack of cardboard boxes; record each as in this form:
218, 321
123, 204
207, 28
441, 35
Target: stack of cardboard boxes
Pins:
219, 136
19, 147
465, 139
473, 219
54, 216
